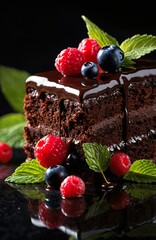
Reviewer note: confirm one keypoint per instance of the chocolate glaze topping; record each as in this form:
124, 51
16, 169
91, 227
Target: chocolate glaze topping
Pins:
80, 89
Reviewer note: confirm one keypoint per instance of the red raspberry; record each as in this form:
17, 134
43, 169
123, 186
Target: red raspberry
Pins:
72, 186
51, 218
73, 207
50, 150
120, 163
119, 200
69, 62
6, 152
89, 47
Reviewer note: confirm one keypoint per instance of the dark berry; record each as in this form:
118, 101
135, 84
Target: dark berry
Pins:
73, 160
6, 152
54, 175
120, 163
110, 58
89, 70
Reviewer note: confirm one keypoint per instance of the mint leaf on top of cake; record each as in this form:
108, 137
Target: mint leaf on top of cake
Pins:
133, 48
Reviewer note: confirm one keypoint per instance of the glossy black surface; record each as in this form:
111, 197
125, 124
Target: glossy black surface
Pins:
99, 215
15, 220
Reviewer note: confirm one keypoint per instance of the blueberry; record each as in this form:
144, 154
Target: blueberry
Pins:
110, 58
89, 70
54, 175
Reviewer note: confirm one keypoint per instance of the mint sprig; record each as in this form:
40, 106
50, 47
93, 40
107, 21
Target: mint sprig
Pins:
97, 157
11, 128
28, 172
95, 32
133, 48
142, 171
12, 85
138, 46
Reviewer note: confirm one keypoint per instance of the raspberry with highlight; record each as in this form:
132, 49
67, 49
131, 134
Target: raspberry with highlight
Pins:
72, 186
89, 47
69, 61
50, 150
120, 163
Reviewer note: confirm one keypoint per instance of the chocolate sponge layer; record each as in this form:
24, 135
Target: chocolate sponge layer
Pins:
116, 110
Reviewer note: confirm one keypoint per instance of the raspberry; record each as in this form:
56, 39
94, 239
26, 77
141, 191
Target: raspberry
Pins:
69, 62
72, 186
6, 152
120, 163
51, 218
74, 207
50, 150
89, 47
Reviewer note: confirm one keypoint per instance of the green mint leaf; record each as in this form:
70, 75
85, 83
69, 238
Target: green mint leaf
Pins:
11, 129
127, 63
142, 171
141, 191
99, 35
28, 172
133, 48
97, 156
12, 82
138, 46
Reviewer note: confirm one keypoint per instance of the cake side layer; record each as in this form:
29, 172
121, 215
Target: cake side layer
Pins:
110, 110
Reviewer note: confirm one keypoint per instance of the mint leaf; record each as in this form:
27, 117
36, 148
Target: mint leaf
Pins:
142, 171
97, 157
28, 172
133, 48
8, 120
99, 35
141, 191
11, 129
138, 46
12, 82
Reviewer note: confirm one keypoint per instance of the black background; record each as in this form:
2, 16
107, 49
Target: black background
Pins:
32, 34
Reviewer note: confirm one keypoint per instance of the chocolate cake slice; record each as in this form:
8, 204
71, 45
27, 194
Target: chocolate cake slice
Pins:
115, 109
